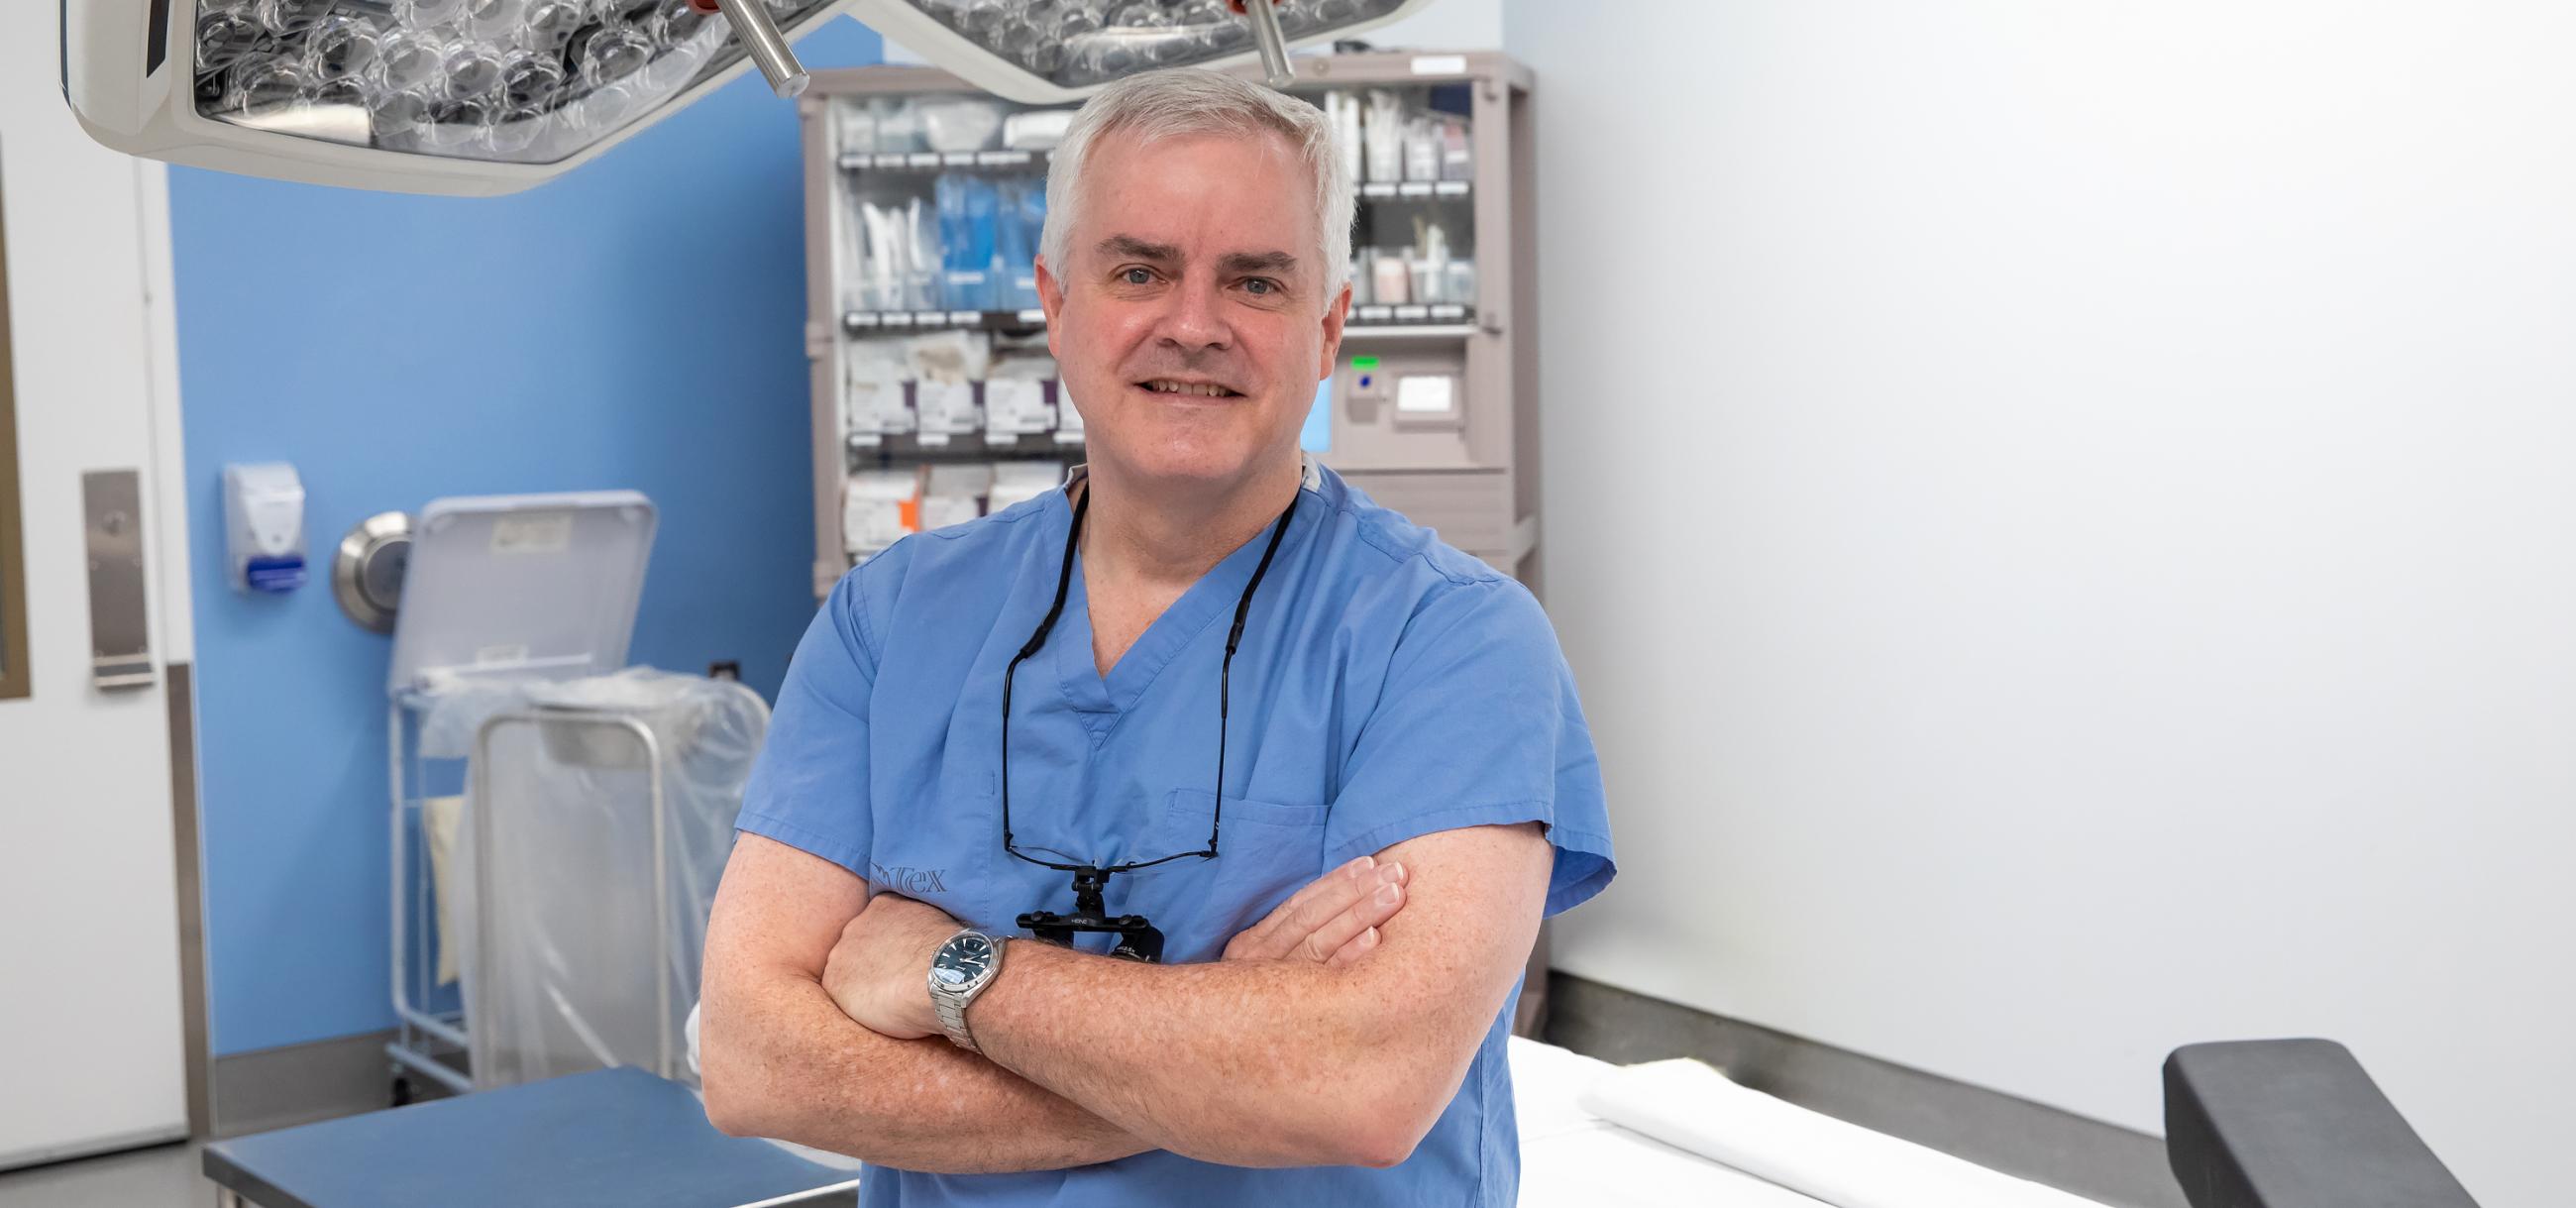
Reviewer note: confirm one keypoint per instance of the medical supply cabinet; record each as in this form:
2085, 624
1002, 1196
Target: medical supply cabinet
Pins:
934, 399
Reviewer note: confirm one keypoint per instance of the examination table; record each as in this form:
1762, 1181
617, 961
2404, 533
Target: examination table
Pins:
2268, 1124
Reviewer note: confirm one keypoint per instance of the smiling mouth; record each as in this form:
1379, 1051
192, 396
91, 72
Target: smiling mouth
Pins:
1188, 389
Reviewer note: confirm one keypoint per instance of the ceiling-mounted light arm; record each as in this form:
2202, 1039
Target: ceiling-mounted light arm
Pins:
761, 41
479, 97
1272, 41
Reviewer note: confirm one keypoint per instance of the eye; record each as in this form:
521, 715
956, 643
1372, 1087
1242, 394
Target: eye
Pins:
1261, 286
1137, 274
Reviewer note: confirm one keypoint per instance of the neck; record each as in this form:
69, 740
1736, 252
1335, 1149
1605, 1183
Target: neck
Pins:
1150, 533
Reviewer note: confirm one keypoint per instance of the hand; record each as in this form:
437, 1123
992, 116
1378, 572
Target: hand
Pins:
879, 972
1331, 922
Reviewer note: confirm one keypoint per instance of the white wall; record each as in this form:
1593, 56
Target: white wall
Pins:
2062, 513
1444, 25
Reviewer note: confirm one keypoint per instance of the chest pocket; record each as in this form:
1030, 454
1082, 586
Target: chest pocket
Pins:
1266, 851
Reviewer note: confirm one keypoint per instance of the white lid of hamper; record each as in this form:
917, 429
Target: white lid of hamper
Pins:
521, 587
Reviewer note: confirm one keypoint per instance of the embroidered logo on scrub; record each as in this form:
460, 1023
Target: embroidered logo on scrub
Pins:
910, 882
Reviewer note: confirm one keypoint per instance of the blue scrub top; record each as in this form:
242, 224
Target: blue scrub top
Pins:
1387, 687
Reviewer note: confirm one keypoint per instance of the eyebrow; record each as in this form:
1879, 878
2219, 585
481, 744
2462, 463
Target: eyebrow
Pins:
1257, 262
1132, 248
1129, 247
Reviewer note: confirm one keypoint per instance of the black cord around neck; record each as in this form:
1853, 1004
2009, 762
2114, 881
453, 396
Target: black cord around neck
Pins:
1225, 685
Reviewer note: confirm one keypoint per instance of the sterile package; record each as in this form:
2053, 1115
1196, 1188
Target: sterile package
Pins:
896, 122
1457, 151
1023, 221
1392, 273
1015, 407
921, 258
875, 401
1019, 397
1422, 149
859, 286
885, 259
1342, 116
1016, 482
945, 368
953, 494
1462, 282
1036, 130
961, 356
899, 261
602, 812
969, 213
1430, 280
878, 507
1384, 144
960, 125
1430, 269
856, 124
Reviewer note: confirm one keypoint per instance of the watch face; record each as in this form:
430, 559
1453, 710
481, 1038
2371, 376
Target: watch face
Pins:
963, 960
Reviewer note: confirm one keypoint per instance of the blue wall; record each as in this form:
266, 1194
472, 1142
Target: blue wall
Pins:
637, 323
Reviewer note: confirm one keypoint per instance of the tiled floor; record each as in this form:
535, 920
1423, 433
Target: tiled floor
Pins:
165, 1176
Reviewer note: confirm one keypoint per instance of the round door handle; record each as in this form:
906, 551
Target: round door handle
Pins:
367, 573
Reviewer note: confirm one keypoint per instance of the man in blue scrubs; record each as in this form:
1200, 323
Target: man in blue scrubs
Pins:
1405, 787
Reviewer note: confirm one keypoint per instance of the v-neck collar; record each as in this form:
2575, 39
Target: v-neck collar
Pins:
1103, 699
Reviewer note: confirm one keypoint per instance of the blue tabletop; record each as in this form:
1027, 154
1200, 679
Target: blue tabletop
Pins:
617, 1137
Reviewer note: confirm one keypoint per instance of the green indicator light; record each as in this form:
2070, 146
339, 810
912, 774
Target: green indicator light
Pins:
1363, 362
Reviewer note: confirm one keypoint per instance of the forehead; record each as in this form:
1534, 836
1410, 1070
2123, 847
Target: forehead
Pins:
1205, 194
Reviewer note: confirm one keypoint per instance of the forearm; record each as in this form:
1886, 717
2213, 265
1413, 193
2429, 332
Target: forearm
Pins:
1247, 1063
1281, 1063
780, 1060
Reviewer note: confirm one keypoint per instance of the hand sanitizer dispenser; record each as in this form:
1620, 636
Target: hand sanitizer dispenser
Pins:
264, 527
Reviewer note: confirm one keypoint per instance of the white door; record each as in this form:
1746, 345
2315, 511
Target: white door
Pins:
92, 1053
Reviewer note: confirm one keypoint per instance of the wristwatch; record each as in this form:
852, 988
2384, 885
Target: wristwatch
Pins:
963, 966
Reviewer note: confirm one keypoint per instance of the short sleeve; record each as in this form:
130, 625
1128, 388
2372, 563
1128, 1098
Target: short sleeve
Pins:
809, 788
1478, 725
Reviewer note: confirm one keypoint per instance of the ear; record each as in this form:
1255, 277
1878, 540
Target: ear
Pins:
1335, 315
1051, 300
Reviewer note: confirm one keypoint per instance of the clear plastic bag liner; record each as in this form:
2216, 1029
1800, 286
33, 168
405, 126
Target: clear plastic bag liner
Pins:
453, 707
580, 893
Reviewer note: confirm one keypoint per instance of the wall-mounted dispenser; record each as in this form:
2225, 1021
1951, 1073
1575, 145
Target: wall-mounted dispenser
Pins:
263, 527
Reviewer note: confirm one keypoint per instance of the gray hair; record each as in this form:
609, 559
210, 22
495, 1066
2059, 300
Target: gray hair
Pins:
1192, 100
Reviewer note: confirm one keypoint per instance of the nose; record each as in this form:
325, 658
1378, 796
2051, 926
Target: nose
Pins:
1193, 322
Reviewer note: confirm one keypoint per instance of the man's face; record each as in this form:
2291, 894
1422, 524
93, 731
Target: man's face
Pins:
1189, 322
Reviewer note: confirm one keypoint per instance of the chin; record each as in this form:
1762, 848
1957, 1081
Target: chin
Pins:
1192, 463
1186, 443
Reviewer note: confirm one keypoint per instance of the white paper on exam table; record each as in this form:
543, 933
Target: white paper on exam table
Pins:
1690, 1105
1571, 1157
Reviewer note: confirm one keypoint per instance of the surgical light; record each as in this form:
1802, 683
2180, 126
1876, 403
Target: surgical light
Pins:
492, 96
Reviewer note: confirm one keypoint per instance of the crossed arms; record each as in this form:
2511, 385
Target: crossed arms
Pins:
1310, 1043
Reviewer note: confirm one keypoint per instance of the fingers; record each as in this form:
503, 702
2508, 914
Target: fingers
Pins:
1381, 896
1325, 896
1360, 945
1276, 936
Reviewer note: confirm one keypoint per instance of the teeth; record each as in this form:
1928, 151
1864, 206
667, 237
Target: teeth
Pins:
1164, 387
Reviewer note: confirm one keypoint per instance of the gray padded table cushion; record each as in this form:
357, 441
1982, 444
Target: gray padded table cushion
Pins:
618, 1137
2293, 1124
